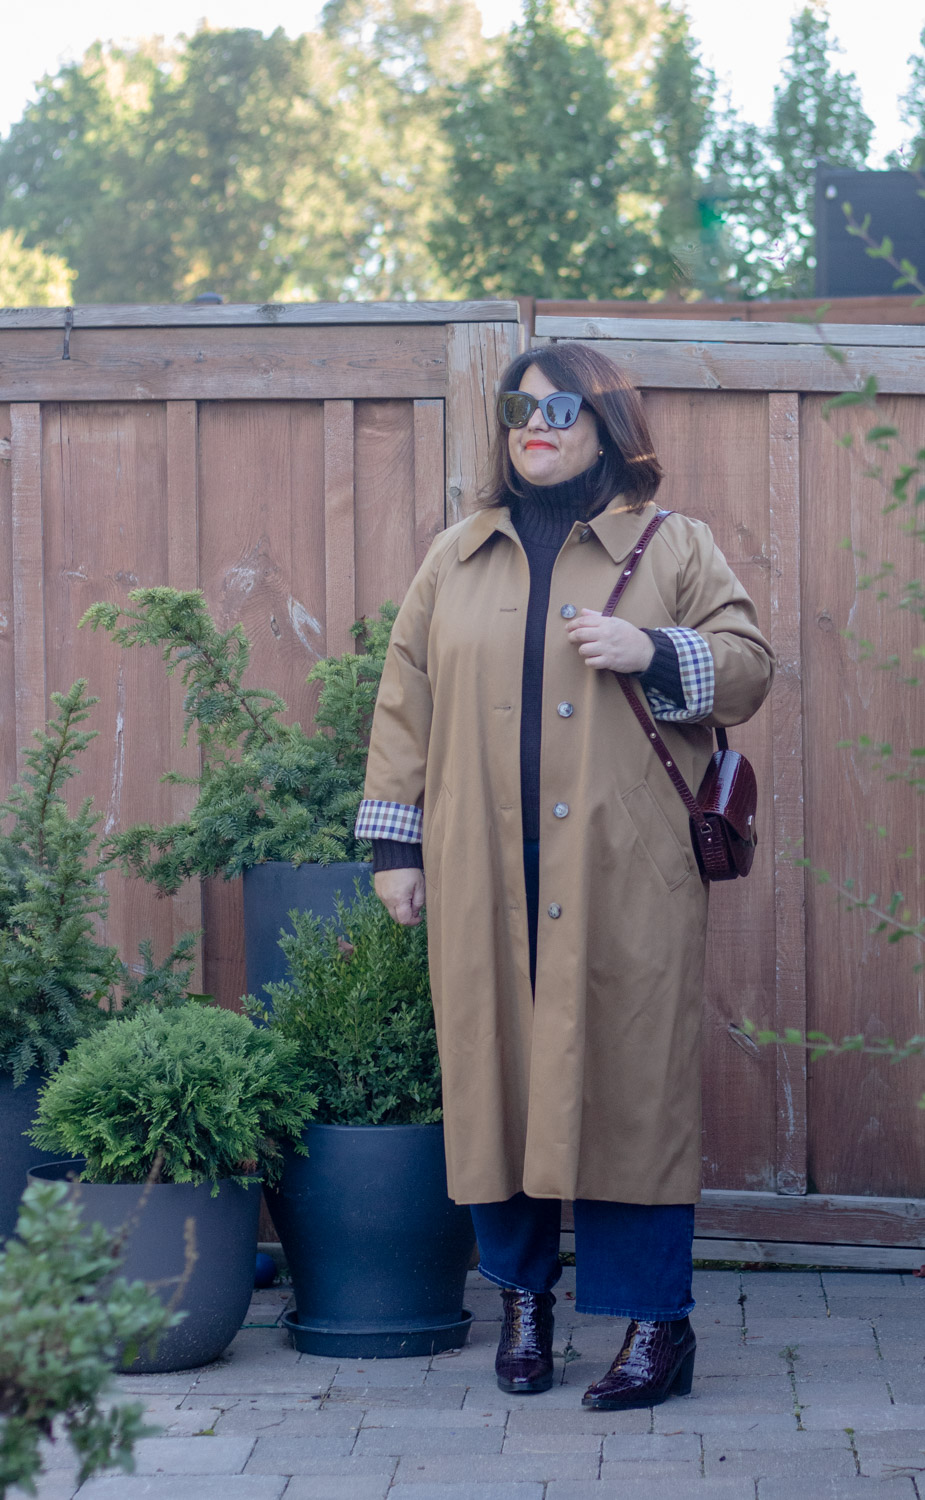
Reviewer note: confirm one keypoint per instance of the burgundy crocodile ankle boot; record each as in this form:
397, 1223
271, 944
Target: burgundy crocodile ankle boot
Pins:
656, 1361
523, 1363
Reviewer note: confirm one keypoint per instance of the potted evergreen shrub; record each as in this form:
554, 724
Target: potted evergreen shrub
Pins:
169, 1119
275, 803
377, 1251
57, 982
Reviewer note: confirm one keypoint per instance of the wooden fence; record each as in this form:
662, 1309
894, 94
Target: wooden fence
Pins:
891, 309
295, 462
739, 424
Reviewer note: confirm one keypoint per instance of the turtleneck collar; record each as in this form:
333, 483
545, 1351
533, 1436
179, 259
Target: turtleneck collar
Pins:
545, 513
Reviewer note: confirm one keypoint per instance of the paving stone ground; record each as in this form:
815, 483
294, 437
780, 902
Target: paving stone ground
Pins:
808, 1386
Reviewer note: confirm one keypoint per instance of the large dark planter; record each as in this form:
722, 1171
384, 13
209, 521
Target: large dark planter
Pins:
377, 1251
274, 889
17, 1155
217, 1293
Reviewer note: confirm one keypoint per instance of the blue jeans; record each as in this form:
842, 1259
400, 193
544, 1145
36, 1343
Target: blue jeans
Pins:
633, 1259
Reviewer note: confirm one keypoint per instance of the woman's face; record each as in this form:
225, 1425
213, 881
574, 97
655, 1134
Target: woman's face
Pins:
550, 455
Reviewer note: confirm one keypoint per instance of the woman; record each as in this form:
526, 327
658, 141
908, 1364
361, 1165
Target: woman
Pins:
566, 917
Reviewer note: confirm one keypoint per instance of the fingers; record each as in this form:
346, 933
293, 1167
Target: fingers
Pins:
402, 894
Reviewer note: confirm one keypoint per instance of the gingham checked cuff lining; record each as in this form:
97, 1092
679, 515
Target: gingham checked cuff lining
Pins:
697, 679
389, 820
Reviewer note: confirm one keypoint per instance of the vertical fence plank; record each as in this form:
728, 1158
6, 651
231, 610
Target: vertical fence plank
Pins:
787, 767
339, 527
429, 465
28, 572
7, 637
475, 358
183, 573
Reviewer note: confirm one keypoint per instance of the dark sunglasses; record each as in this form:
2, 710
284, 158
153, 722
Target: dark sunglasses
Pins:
515, 408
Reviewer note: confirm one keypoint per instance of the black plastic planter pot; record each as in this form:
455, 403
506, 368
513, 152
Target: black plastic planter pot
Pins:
271, 892
17, 1154
217, 1293
377, 1251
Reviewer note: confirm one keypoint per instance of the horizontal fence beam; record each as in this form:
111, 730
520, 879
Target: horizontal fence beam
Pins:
893, 308
814, 1221
779, 1253
224, 364
712, 331
682, 364
253, 314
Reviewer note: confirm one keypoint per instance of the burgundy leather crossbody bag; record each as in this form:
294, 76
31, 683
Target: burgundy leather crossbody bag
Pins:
722, 815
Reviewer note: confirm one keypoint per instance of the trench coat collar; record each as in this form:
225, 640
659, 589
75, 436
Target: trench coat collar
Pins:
616, 528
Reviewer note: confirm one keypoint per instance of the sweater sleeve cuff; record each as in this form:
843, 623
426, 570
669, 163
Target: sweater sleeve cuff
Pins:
695, 668
395, 854
663, 674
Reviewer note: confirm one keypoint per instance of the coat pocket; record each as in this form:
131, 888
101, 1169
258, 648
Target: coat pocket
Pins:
434, 825
657, 836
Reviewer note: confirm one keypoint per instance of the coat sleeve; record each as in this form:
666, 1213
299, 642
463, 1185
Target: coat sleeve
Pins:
394, 792
712, 601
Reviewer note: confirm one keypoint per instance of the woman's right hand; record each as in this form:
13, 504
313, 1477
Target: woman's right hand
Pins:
402, 894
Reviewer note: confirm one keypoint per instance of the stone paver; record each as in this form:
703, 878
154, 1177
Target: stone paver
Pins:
884, 1455
192, 1455
176, 1487
328, 1487
786, 1363
467, 1491
835, 1488
493, 1468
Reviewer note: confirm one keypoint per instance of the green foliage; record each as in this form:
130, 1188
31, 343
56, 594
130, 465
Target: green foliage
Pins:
912, 112
195, 1094
897, 468
770, 174
261, 167
268, 790
57, 983
31, 277
359, 1014
53, 972
64, 1317
160, 986
538, 165
574, 154
819, 1044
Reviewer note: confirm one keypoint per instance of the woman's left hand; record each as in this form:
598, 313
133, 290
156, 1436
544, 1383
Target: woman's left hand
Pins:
610, 644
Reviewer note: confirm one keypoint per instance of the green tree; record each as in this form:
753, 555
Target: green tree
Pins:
677, 122
538, 166
361, 209
259, 167
65, 165
575, 156
912, 112
31, 277
769, 175
161, 171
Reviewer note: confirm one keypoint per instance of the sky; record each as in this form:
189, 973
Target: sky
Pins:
743, 43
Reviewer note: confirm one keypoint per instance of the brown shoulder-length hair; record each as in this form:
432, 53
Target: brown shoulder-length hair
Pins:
629, 466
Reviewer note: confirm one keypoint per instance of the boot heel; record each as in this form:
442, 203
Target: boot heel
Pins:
685, 1377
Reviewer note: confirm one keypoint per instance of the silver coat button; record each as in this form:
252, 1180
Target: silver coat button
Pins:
568, 611
555, 910
560, 810
584, 536
565, 710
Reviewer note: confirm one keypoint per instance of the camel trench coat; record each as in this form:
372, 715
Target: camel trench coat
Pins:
590, 1089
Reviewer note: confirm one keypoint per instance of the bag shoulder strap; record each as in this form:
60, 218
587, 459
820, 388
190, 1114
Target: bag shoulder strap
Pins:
648, 725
